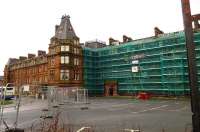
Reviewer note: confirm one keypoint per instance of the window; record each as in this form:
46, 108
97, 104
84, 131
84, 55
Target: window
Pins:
46, 79
76, 51
40, 79
40, 68
65, 48
64, 74
76, 75
52, 51
52, 74
76, 61
52, 61
45, 68
64, 59
76, 42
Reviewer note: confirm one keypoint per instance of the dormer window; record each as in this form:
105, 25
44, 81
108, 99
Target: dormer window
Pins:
76, 51
52, 51
75, 42
70, 28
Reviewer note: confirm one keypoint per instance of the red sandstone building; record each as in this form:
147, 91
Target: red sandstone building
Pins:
61, 66
1, 80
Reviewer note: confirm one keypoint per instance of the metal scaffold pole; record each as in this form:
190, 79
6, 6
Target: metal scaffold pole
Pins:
195, 102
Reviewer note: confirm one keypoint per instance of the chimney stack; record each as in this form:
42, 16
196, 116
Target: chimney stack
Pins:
13, 60
157, 31
56, 28
22, 58
41, 52
126, 39
113, 41
31, 56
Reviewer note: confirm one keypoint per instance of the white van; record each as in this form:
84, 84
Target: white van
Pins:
9, 92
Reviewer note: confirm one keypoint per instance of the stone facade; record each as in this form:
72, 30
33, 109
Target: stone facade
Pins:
61, 66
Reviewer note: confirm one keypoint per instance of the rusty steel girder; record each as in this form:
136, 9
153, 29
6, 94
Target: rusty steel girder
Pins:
193, 80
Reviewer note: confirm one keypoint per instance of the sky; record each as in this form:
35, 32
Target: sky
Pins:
27, 25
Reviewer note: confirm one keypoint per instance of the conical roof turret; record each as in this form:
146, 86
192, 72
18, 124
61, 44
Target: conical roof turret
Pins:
65, 29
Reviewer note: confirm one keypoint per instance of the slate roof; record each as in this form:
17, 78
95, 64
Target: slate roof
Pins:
65, 29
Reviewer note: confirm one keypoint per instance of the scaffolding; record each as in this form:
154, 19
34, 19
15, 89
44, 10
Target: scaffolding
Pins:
162, 69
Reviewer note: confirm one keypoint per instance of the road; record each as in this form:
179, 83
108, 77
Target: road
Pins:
113, 115
30, 112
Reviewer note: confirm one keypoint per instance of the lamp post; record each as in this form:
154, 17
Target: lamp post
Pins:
193, 80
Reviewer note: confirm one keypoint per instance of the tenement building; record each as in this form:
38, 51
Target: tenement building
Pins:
62, 66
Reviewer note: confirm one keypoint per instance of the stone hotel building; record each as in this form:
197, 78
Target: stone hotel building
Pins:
61, 66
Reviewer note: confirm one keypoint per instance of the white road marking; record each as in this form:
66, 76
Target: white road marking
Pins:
177, 110
83, 128
131, 130
154, 108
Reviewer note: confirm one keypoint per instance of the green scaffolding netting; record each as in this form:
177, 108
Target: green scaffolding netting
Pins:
160, 62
